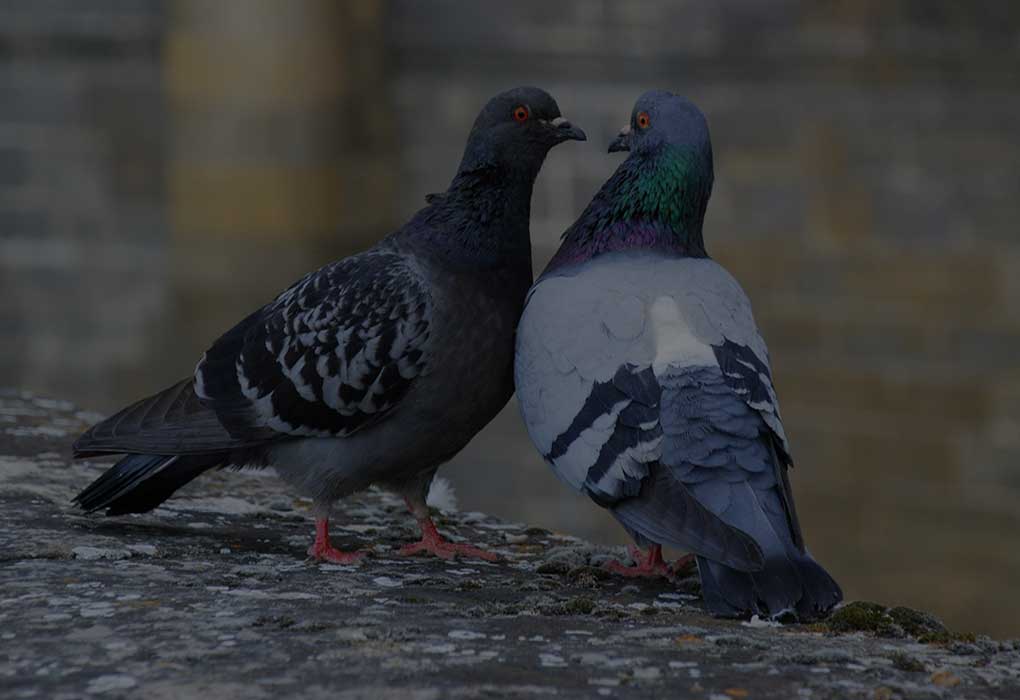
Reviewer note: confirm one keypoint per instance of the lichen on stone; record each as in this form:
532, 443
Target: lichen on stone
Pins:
862, 616
916, 623
217, 581
899, 621
905, 662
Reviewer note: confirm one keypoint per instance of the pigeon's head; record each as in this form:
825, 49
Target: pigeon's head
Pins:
515, 131
660, 119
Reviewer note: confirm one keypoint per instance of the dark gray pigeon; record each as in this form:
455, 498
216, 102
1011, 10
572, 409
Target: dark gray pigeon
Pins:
644, 382
375, 369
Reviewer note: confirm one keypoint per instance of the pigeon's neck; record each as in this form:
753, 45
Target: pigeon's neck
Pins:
653, 201
482, 220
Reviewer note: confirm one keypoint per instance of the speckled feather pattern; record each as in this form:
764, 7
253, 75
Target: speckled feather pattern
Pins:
329, 356
374, 369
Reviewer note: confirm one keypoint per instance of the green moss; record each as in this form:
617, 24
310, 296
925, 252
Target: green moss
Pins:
579, 606
916, 623
946, 637
905, 662
553, 567
862, 616
587, 575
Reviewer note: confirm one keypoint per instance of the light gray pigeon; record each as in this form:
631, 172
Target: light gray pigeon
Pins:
373, 370
644, 382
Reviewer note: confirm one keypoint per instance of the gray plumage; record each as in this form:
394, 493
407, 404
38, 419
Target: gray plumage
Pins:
374, 369
599, 347
644, 381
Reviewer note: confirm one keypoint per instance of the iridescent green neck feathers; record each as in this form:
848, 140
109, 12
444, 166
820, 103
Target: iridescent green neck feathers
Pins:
653, 201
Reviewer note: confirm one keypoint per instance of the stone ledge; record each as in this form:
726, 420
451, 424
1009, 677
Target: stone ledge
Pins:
211, 595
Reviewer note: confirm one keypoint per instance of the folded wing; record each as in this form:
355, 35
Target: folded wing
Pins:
596, 353
333, 354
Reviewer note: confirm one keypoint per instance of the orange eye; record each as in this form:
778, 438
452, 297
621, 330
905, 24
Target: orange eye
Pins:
521, 113
643, 120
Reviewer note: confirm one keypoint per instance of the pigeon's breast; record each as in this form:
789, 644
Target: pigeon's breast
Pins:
470, 373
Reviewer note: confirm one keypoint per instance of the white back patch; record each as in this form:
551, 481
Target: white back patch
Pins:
674, 342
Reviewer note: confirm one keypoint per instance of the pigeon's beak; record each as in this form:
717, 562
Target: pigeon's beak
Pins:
622, 141
567, 131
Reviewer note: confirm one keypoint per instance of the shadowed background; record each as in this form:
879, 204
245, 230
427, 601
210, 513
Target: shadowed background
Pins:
168, 166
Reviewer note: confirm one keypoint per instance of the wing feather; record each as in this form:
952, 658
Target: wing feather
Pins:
597, 351
172, 422
333, 354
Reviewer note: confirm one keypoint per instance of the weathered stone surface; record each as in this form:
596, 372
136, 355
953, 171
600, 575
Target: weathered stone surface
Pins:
211, 594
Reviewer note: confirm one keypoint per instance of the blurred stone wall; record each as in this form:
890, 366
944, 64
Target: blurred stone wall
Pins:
283, 155
167, 166
867, 189
82, 135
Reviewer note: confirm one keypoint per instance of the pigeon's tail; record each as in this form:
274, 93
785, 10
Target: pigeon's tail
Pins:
791, 583
724, 453
796, 586
138, 483
664, 512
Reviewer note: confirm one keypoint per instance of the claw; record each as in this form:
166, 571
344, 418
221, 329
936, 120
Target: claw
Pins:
650, 565
322, 550
432, 542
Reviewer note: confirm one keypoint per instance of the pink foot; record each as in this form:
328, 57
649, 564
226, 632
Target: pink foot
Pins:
433, 543
650, 565
322, 550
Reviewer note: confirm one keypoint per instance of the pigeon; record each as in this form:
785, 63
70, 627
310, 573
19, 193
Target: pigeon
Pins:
375, 369
644, 382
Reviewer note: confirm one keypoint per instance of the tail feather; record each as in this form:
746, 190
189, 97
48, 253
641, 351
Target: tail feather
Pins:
138, 483
791, 582
796, 585
722, 448
171, 422
665, 512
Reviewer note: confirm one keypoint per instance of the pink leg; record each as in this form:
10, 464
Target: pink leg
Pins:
650, 565
433, 543
322, 550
